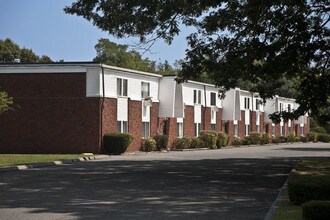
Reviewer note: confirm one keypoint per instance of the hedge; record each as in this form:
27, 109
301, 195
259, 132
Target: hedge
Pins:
116, 143
303, 188
182, 143
291, 137
316, 210
161, 141
209, 138
222, 139
312, 136
323, 137
237, 141
149, 144
197, 142
264, 139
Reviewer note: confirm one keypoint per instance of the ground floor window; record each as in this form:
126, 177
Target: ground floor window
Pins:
226, 127
282, 130
236, 130
122, 126
213, 127
145, 129
197, 129
179, 128
247, 130
258, 128
273, 130
289, 129
302, 130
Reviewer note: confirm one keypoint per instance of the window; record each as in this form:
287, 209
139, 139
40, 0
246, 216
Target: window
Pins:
302, 131
273, 130
281, 107
258, 128
179, 129
165, 127
145, 89
282, 130
289, 108
235, 130
144, 111
122, 126
213, 98
257, 104
213, 115
213, 127
247, 103
267, 130
197, 129
145, 129
197, 96
226, 125
121, 87
247, 130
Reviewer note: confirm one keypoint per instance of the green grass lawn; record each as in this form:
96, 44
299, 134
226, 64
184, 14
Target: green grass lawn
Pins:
16, 159
285, 209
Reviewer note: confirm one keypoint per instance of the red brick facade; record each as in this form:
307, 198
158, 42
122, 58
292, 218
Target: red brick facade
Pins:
188, 122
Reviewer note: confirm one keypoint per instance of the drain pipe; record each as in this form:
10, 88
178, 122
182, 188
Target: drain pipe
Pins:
204, 109
102, 107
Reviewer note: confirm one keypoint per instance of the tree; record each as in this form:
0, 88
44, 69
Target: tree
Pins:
9, 51
6, 102
260, 42
118, 55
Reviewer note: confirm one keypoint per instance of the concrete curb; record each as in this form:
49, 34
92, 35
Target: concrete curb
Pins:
53, 163
274, 205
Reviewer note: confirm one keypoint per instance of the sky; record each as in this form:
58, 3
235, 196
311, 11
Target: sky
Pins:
42, 25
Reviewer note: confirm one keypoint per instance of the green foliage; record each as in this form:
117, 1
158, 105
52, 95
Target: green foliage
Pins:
275, 140
222, 139
182, 143
209, 138
291, 137
9, 51
303, 139
116, 143
237, 141
254, 137
312, 136
197, 142
296, 139
323, 137
149, 144
316, 210
6, 102
246, 141
161, 141
264, 139
303, 188
283, 139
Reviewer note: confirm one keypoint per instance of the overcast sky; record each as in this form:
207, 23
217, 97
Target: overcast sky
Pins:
42, 25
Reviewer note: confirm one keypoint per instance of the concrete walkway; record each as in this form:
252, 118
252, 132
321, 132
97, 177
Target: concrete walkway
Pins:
237, 183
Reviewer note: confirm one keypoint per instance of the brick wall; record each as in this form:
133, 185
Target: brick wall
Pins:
135, 124
206, 118
154, 119
219, 120
188, 123
241, 125
52, 115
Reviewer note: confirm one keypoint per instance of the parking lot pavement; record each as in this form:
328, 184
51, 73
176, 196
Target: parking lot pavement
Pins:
239, 183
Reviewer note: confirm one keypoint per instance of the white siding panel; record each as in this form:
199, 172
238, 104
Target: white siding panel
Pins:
122, 109
197, 113
93, 82
228, 105
247, 116
166, 97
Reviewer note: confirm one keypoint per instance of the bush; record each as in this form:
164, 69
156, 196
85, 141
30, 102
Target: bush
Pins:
323, 137
149, 144
296, 139
161, 141
312, 136
264, 139
116, 143
291, 137
222, 139
209, 138
197, 143
316, 210
275, 140
303, 139
254, 137
283, 139
246, 141
182, 143
237, 141
303, 188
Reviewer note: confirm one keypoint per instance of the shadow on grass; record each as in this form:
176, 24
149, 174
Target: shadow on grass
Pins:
162, 189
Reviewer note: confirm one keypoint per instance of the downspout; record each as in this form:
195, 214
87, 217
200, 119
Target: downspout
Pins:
204, 109
102, 107
252, 113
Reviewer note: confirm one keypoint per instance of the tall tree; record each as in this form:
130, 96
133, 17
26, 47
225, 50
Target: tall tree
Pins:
260, 42
9, 51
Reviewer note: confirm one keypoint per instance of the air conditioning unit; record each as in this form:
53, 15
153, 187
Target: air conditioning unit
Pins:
147, 102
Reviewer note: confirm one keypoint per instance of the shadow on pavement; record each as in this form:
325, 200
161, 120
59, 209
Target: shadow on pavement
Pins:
162, 189
316, 149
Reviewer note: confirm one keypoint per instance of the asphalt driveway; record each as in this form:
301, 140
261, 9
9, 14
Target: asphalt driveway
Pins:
239, 183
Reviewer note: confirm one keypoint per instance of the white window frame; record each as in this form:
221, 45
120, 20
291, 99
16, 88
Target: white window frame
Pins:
121, 89
121, 126
179, 127
282, 130
247, 129
197, 96
145, 129
197, 129
236, 130
246, 103
213, 127
145, 93
273, 130
215, 98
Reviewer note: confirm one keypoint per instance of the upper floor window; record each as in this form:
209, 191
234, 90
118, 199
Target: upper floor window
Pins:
121, 87
257, 104
289, 108
281, 107
197, 96
247, 103
213, 98
145, 89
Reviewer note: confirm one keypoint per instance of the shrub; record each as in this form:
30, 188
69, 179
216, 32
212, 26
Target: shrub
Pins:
264, 139
149, 144
303, 188
182, 143
197, 143
291, 137
116, 143
254, 137
296, 139
319, 210
312, 136
246, 141
222, 139
303, 139
161, 141
275, 140
283, 139
237, 141
323, 137
209, 138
